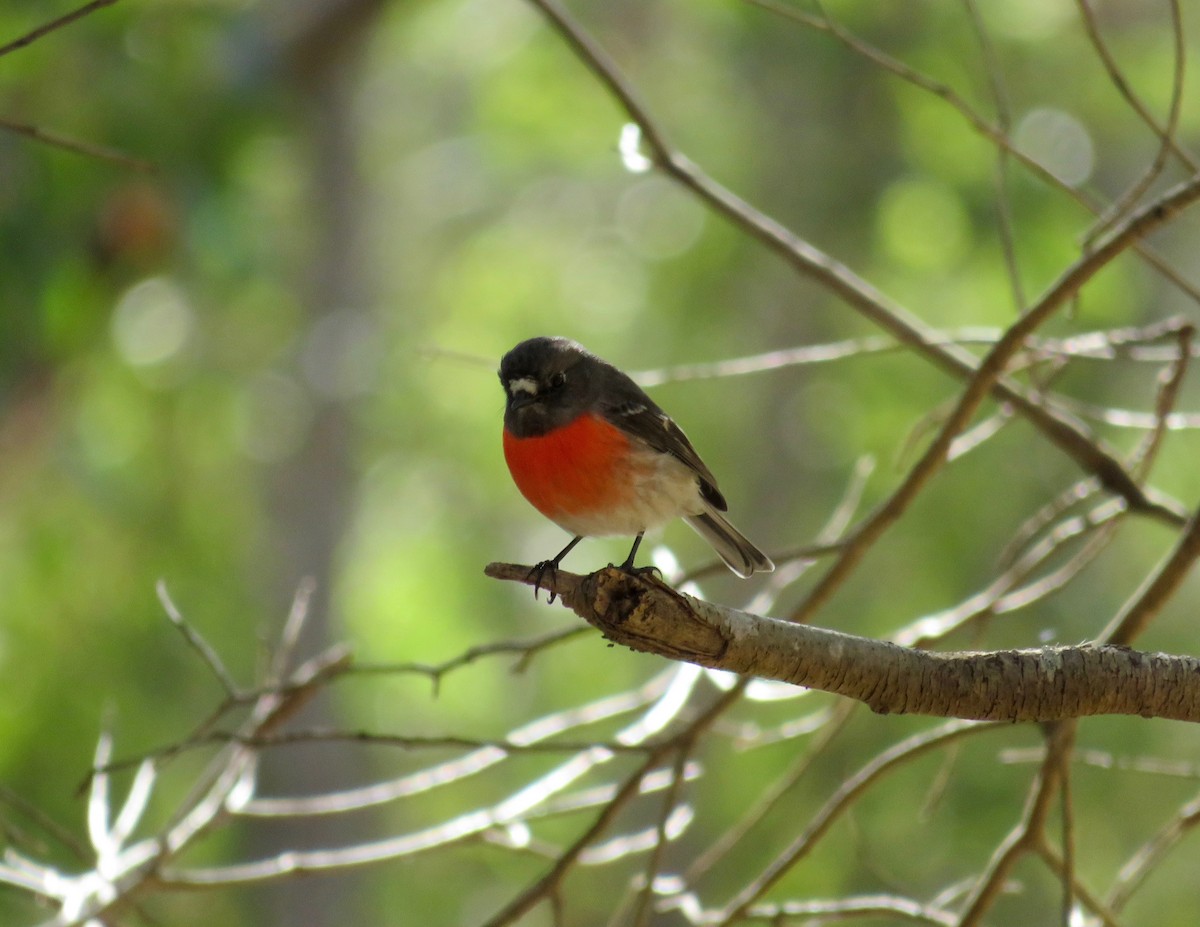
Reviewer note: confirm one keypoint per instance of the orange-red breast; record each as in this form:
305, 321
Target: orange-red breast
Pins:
597, 456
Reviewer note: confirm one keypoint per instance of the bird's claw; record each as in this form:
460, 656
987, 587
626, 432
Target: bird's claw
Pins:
538, 573
631, 570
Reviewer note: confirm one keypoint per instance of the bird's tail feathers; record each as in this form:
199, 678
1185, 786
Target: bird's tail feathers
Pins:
735, 549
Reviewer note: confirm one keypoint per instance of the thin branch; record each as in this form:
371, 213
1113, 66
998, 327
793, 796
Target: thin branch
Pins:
1170, 385
208, 655
991, 368
412, 742
1167, 136
523, 649
992, 133
859, 294
851, 908
292, 626
1102, 522
1038, 524
54, 24
991, 67
1130, 343
643, 908
465, 766
66, 143
1005, 593
44, 822
336, 663
1147, 858
838, 803
1029, 833
1128, 418
1117, 76
1066, 869
98, 805
1101, 759
805, 355
1097, 907
530, 802
769, 796
1157, 589
550, 882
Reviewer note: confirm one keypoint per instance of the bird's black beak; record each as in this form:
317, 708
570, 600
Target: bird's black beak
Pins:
520, 400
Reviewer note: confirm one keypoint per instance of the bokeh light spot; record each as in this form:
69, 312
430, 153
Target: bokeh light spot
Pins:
923, 224
272, 417
605, 284
1059, 142
152, 322
658, 220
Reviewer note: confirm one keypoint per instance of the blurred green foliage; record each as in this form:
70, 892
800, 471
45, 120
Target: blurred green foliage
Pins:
166, 353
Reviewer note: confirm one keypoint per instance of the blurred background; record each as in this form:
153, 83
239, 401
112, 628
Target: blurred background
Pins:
273, 357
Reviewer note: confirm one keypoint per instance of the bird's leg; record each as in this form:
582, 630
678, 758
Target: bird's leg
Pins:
628, 566
539, 571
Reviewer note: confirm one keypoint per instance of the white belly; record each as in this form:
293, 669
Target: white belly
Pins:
661, 490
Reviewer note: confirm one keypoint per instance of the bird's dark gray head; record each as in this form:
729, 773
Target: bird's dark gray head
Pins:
548, 382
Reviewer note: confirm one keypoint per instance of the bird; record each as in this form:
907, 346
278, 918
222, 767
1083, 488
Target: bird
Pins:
597, 456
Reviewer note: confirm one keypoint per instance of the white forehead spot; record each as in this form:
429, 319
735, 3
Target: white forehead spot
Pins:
523, 385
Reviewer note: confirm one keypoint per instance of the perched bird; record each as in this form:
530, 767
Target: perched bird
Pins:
597, 456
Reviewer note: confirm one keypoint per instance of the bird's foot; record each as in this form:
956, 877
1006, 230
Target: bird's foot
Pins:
538, 572
629, 568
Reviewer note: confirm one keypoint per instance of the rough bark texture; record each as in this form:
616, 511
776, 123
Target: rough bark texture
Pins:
1046, 684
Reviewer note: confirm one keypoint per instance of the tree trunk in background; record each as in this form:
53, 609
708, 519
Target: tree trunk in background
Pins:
309, 495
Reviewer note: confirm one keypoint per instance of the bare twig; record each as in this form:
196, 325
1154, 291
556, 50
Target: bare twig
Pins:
551, 880
1142, 863
769, 797
1170, 384
297, 615
991, 67
993, 133
196, 641
1101, 759
1132, 343
853, 908
1027, 835
44, 822
990, 370
1169, 143
471, 763
1005, 592
1157, 589
54, 24
862, 296
88, 149
523, 649
643, 908
839, 803
1093, 904
412, 741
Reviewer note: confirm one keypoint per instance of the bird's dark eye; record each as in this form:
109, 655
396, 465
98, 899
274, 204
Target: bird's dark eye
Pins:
557, 379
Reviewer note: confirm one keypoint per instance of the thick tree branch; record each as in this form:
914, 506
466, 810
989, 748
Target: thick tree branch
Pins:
1046, 684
